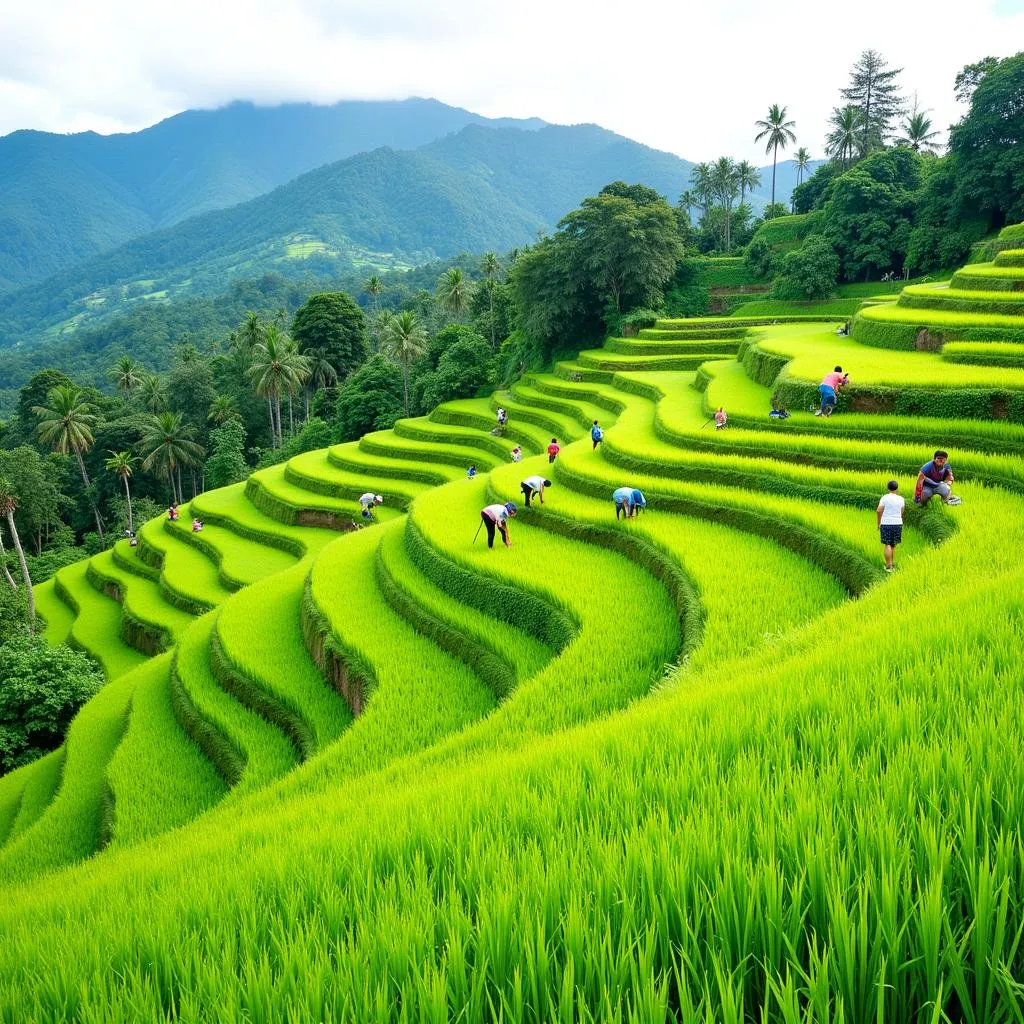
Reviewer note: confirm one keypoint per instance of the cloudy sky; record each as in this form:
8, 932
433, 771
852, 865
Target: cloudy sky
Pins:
685, 77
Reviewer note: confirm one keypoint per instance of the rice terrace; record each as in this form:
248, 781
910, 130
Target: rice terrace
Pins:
621, 625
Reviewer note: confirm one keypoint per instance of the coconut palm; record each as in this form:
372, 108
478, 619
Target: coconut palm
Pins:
373, 288
779, 133
843, 140
918, 134
277, 367
490, 267
454, 290
725, 187
222, 410
167, 445
250, 331
803, 162
66, 425
8, 503
747, 177
122, 464
700, 183
153, 394
128, 375
405, 339
301, 367
322, 373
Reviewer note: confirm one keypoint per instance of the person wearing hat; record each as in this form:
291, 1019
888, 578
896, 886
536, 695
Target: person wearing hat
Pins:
369, 501
627, 501
534, 485
496, 517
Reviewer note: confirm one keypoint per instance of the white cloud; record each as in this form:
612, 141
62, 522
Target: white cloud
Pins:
689, 78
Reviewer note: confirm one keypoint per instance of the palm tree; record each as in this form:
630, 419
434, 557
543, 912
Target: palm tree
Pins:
844, 138
700, 182
222, 410
8, 503
725, 187
779, 133
373, 288
123, 463
250, 331
747, 177
128, 375
917, 132
301, 366
490, 267
322, 373
454, 290
802, 161
276, 367
66, 424
404, 338
167, 446
154, 395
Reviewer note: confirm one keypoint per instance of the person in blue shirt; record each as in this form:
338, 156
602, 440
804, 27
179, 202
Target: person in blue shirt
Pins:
628, 500
936, 477
596, 434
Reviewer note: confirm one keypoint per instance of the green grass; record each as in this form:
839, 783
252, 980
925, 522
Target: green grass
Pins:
36, 792
158, 777
56, 615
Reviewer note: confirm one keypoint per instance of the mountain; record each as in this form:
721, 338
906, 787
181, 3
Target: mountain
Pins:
482, 188
67, 198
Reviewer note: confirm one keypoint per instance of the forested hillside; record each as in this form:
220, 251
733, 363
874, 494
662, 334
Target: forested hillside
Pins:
65, 198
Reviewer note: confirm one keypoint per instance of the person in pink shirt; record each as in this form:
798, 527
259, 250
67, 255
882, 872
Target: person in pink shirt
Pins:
829, 389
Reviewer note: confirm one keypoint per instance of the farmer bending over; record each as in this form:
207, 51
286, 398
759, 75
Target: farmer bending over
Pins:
890, 522
627, 501
369, 501
534, 485
496, 516
935, 478
829, 389
721, 418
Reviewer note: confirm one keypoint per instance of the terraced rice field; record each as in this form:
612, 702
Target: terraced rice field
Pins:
707, 763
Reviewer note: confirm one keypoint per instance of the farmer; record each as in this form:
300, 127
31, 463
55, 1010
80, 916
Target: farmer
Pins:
471, 472
517, 454
627, 501
502, 419
534, 485
553, 449
496, 516
721, 418
829, 389
369, 501
172, 512
596, 434
936, 477
197, 525
890, 522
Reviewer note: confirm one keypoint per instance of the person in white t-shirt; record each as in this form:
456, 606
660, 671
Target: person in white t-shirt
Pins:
368, 502
890, 522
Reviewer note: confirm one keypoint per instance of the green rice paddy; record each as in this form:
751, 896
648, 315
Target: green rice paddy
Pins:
707, 763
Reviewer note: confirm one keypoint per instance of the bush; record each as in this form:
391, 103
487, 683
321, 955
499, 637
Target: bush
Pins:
371, 399
760, 257
809, 272
637, 320
41, 689
226, 465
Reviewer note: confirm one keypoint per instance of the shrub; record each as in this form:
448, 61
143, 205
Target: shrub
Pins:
760, 257
809, 272
41, 689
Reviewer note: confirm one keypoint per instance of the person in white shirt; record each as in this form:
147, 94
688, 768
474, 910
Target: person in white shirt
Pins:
534, 485
890, 522
369, 501
496, 517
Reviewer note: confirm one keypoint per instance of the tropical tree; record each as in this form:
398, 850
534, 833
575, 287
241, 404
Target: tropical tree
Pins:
404, 339
222, 409
843, 139
803, 162
300, 365
725, 186
454, 290
700, 186
747, 178
874, 92
917, 132
154, 393
8, 503
128, 375
277, 367
373, 288
250, 331
779, 134
490, 267
167, 445
66, 424
122, 464
322, 373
